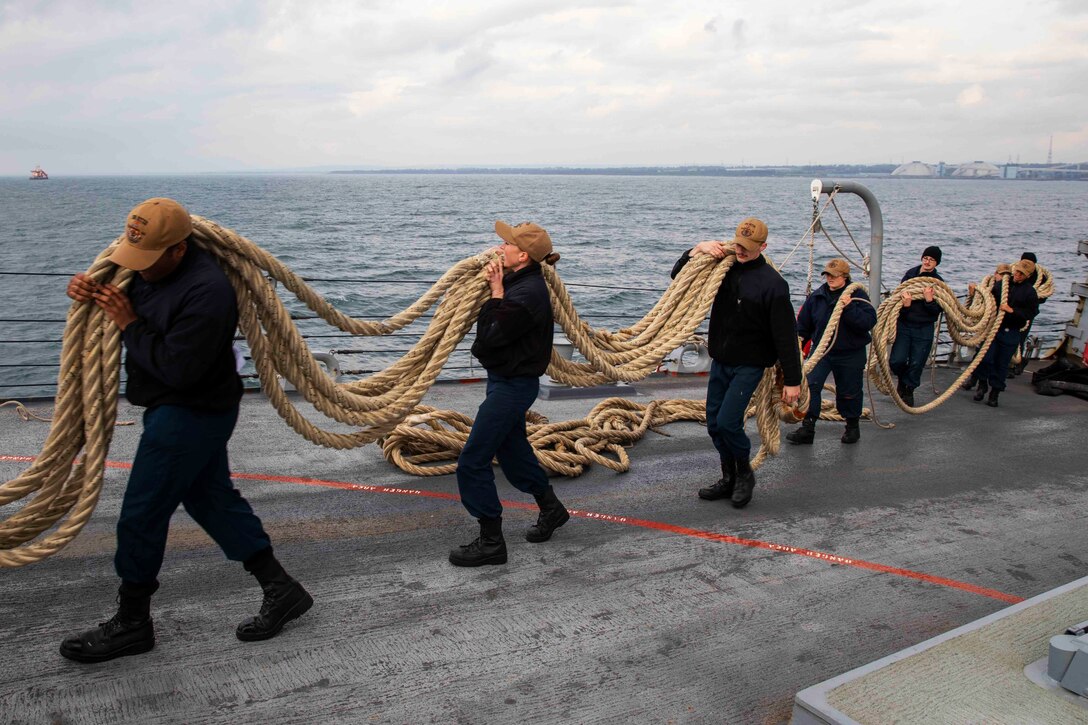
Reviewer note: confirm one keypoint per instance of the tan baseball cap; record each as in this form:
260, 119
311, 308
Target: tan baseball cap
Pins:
751, 234
151, 228
1025, 267
837, 267
528, 237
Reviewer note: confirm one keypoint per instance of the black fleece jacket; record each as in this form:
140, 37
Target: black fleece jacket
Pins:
179, 348
1024, 301
751, 321
514, 334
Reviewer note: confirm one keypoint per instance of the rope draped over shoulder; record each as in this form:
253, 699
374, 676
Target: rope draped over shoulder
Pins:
1044, 282
972, 324
64, 482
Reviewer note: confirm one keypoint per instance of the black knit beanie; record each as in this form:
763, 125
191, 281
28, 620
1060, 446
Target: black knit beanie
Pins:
1030, 256
934, 252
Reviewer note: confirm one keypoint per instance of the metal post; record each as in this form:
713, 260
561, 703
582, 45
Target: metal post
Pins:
876, 229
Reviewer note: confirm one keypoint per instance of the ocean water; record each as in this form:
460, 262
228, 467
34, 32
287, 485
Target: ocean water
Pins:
372, 243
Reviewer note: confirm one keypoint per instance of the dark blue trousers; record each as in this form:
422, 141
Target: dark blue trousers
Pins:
182, 459
499, 432
909, 352
728, 393
848, 368
994, 367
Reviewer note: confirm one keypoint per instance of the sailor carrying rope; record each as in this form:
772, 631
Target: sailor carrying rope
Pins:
62, 486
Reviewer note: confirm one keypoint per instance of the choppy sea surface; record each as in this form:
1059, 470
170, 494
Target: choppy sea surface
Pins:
373, 243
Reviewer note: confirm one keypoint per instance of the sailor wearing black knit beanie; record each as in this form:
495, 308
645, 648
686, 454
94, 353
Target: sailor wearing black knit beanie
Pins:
914, 329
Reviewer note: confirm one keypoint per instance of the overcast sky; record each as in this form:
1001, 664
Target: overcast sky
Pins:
119, 87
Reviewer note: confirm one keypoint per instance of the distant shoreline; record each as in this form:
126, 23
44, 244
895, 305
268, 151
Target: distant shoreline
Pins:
883, 171
1027, 172
838, 170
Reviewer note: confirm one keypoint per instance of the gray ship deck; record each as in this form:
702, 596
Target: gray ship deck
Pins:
650, 606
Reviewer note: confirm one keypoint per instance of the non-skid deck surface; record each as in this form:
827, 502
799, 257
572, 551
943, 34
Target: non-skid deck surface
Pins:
650, 606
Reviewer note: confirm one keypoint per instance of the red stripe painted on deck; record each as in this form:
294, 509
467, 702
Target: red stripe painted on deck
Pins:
628, 521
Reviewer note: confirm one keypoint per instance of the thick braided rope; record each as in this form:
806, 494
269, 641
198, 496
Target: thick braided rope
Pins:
683, 307
973, 324
828, 411
633, 353
1044, 282
429, 441
64, 491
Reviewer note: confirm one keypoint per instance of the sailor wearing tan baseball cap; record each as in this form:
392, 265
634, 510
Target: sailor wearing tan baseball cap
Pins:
529, 238
151, 228
514, 344
178, 317
845, 355
1025, 267
752, 327
751, 234
837, 268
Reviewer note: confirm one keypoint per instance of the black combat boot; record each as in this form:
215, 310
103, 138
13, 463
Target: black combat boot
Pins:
971, 383
284, 598
746, 481
804, 434
983, 386
553, 514
852, 434
129, 632
901, 388
992, 400
908, 396
724, 487
488, 548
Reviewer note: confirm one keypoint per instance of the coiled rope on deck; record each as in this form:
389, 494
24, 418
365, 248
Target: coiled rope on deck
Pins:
564, 448
63, 491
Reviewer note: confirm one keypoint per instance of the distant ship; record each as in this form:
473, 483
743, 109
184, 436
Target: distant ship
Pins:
38, 173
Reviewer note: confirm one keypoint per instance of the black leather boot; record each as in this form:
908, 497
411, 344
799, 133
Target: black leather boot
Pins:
129, 632
908, 396
852, 434
553, 514
724, 487
970, 384
983, 386
488, 548
746, 481
901, 388
284, 598
804, 434
992, 400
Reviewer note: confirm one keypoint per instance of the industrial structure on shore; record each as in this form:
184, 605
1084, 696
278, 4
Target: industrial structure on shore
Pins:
986, 170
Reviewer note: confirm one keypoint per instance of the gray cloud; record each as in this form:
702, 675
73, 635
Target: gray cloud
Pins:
236, 85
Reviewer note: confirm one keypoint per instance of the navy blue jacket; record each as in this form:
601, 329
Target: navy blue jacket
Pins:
920, 313
751, 321
179, 349
514, 334
1024, 301
854, 324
